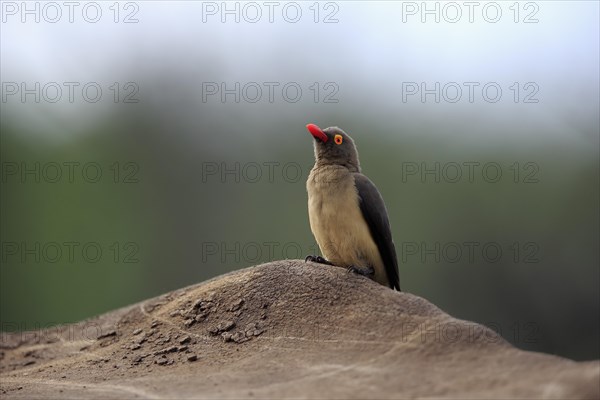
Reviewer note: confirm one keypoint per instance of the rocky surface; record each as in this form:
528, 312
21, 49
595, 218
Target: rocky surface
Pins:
283, 329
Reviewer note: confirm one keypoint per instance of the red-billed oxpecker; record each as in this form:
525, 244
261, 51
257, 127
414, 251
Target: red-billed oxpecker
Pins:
347, 215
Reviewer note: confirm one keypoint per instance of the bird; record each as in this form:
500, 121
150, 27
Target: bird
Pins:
347, 215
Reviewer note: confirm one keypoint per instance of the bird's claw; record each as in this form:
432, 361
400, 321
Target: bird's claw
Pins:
317, 259
364, 271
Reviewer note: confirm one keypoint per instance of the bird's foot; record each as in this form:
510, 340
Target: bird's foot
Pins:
364, 271
318, 260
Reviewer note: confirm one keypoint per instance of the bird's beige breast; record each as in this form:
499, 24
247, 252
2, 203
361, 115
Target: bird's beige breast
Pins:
337, 223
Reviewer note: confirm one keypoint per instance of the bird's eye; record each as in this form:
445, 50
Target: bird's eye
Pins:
338, 139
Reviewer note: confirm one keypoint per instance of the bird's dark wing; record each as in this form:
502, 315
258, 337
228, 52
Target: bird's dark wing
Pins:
375, 214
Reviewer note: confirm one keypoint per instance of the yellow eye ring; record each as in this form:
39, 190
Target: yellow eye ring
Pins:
338, 139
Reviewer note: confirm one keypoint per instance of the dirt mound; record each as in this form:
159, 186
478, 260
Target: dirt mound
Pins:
283, 329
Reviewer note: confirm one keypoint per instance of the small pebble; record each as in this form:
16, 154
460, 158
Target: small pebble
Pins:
185, 339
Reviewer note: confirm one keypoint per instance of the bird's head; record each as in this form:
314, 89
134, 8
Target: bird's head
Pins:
333, 146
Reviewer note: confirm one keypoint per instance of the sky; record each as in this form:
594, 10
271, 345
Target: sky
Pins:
532, 62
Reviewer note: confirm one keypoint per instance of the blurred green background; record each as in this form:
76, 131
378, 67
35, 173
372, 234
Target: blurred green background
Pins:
186, 192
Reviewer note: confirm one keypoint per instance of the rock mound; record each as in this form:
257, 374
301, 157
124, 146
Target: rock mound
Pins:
283, 329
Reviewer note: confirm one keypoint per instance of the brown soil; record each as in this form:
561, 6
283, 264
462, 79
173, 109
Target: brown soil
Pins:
283, 329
